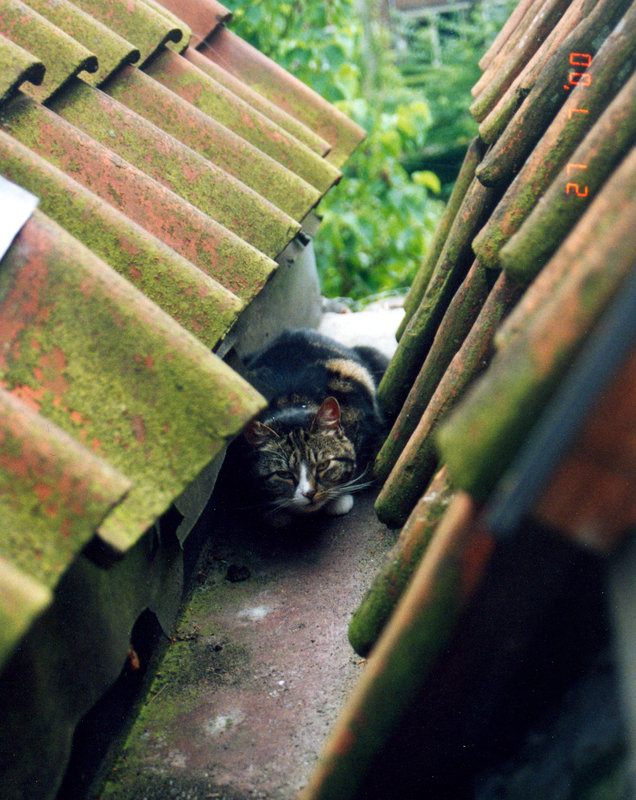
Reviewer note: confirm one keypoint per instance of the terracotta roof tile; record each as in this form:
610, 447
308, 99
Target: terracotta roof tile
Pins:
76, 491
162, 204
273, 82
188, 174
214, 141
516, 383
172, 219
17, 66
192, 298
83, 346
203, 16
22, 600
287, 122
62, 55
194, 85
111, 50
576, 146
138, 23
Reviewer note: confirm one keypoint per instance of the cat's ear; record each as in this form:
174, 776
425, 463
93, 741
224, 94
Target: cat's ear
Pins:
327, 418
257, 434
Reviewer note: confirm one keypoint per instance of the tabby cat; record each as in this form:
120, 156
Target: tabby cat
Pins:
311, 448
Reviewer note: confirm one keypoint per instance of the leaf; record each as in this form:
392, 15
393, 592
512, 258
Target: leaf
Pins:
428, 179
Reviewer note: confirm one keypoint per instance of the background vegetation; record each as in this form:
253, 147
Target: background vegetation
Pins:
407, 81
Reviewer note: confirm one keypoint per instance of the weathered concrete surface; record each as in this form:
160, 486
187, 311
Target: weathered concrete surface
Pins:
260, 664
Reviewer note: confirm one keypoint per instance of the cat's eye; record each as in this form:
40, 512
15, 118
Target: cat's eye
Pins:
283, 474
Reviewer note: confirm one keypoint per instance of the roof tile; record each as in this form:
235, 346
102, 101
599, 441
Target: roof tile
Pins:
63, 56
257, 101
75, 489
21, 600
214, 141
80, 344
191, 297
277, 85
138, 23
194, 85
17, 66
188, 174
203, 16
238, 266
111, 50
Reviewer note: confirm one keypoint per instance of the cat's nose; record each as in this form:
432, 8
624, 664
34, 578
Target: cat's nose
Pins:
309, 492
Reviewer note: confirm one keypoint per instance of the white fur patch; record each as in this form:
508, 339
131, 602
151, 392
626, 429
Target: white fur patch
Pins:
304, 485
350, 370
341, 505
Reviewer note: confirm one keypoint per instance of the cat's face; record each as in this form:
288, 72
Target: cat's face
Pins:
300, 469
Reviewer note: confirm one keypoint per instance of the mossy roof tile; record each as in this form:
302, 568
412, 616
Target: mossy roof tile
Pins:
203, 16
288, 123
200, 89
17, 65
239, 267
284, 90
214, 141
22, 599
111, 50
138, 23
76, 490
62, 56
216, 193
94, 356
195, 300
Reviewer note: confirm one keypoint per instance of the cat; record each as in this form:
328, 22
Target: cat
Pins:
310, 449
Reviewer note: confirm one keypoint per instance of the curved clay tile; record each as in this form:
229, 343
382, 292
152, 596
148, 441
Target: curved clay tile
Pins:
194, 85
277, 85
17, 66
62, 56
22, 600
137, 22
239, 267
214, 141
110, 368
112, 50
192, 298
54, 492
260, 103
219, 195
203, 16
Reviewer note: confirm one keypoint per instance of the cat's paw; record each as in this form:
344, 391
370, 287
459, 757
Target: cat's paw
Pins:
341, 505
280, 520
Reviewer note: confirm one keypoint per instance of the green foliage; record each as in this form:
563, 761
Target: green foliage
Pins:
378, 221
438, 55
